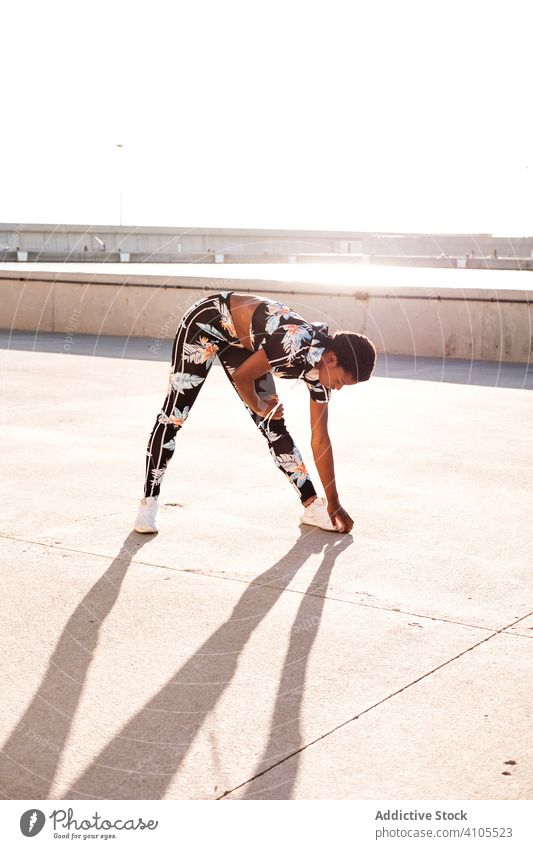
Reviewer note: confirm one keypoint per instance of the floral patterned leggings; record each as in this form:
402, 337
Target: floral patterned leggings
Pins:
206, 331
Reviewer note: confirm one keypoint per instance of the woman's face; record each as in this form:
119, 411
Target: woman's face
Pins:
331, 374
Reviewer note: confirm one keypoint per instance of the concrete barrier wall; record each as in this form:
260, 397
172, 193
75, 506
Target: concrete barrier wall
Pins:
478, 324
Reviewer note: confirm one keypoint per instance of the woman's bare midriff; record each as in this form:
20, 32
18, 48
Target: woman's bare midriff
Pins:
242, 308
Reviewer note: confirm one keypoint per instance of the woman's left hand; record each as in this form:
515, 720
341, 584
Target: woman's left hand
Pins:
340, 518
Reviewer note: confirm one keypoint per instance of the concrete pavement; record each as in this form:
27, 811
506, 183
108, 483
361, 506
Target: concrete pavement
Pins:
238, 654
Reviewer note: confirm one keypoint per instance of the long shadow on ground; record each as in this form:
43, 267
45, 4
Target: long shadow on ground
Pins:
30, 756
143, 758
285, 739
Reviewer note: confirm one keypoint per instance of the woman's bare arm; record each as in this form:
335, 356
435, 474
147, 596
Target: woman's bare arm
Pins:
323, 456
244, 378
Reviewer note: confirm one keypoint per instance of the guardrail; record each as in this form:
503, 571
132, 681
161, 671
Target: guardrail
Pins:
502, 263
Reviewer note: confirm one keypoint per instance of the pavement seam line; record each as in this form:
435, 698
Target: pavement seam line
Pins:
372, 707
351, 601
248, 583
518, 634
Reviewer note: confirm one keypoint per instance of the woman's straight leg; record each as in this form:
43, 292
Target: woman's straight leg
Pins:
193, 352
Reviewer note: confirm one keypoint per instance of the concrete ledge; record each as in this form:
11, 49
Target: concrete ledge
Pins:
440, 320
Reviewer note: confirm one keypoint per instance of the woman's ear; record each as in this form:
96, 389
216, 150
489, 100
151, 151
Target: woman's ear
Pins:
331, 358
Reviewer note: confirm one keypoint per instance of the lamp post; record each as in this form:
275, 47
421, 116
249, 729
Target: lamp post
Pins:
526, 209
120, 148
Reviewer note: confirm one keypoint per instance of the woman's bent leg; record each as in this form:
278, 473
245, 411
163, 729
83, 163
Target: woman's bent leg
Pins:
281, 444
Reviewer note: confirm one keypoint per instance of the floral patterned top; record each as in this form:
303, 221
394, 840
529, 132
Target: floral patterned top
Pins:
290, 344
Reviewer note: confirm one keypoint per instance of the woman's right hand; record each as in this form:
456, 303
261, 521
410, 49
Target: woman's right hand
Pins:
268, 405
340, 518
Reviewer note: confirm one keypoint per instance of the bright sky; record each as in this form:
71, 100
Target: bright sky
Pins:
407, 115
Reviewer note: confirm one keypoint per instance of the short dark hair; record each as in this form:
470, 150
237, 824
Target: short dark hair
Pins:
355, 353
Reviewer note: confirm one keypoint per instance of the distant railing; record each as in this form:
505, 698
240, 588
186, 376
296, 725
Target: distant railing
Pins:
508, 263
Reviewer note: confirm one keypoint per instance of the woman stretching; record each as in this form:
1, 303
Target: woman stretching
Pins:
253, 339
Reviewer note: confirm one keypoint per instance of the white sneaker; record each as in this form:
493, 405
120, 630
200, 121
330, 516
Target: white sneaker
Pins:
145, 522
317, 514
